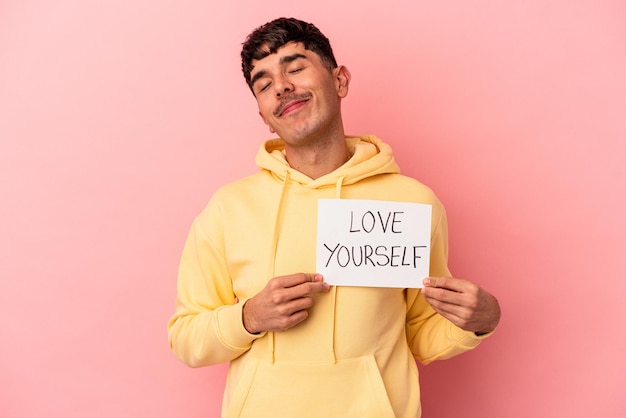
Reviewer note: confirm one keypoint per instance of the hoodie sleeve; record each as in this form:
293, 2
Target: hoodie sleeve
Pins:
207, 327
430, 335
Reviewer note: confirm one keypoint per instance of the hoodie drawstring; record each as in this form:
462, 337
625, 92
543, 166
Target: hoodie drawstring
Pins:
338, 185
333, 294
283, 191
333, 315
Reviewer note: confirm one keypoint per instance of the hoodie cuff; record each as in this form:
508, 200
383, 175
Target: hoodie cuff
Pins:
231, 329
467, 339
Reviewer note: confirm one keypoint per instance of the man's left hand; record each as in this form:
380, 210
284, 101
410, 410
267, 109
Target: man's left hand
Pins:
462, 302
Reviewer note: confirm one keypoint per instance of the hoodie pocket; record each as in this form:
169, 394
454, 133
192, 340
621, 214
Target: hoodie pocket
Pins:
347, 388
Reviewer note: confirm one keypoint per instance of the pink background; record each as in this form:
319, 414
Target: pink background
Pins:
118, 119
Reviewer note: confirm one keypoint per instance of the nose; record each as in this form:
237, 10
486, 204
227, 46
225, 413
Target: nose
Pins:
282, 86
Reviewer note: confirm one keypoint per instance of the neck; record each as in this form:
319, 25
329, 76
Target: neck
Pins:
320, 159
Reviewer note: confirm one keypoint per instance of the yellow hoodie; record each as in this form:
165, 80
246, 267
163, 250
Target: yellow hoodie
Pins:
354, 356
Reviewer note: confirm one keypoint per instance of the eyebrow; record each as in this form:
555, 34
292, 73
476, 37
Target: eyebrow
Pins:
283, 60
289, 58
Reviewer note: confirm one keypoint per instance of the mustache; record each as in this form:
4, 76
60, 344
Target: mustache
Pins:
288, 99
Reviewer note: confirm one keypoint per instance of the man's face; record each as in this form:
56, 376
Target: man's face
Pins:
298, 97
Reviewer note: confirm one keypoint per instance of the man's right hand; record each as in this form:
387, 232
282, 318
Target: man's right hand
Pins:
283, 302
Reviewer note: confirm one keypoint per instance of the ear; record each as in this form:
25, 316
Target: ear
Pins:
342, 80
272, 131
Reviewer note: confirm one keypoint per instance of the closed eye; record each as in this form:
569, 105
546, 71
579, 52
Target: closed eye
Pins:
264, 87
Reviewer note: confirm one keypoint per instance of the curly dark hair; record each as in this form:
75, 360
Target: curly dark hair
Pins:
266, 40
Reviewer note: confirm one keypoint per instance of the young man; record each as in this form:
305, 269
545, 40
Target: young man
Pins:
248, 293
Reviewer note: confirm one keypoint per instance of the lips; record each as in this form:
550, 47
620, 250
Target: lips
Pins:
291, 106
290, 103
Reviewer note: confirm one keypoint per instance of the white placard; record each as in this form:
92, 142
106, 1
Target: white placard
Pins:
373, 243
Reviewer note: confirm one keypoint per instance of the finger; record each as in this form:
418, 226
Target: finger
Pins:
444, 307
283, 322
457, 320
296, 305
450, 283
297, 279
442, 295
457, 314
305, 289
298, 317
294, 319
292, 313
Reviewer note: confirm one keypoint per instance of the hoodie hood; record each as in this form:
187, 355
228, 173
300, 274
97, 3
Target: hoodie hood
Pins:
370, 157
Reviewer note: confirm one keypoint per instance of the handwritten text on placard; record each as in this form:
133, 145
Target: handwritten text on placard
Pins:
373, 243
